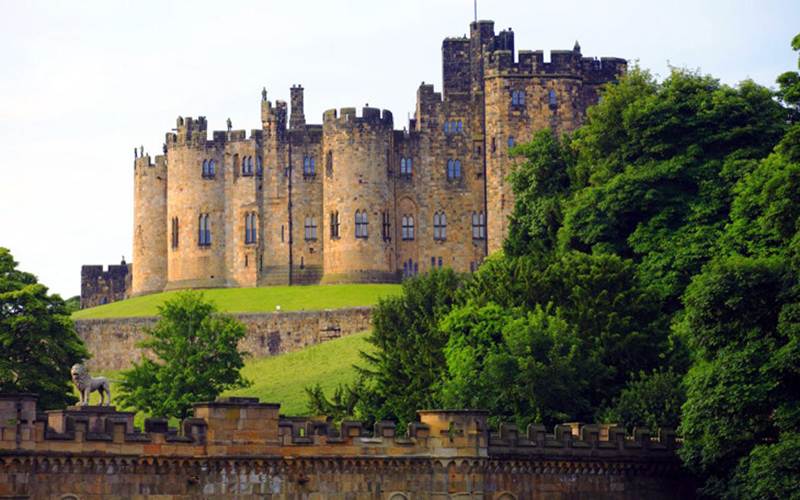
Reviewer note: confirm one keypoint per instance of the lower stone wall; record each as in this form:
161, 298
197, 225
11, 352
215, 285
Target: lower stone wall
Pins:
112, 342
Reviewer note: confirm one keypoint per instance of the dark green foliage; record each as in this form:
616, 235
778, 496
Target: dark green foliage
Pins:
526, 367
408, 361
341, 405
38, 341
651, 400
73, 303
743, 391
197, 358
617, 320
540, 184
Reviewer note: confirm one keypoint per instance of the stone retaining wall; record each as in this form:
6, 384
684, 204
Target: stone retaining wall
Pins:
112, 342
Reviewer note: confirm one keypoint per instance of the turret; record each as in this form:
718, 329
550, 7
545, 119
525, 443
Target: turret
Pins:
298, 118
356, 195
149, 225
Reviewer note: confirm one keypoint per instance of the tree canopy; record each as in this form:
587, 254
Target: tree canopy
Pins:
37, 338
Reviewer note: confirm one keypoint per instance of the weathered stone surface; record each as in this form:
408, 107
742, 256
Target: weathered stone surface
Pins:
238, 447
112, 342
357, 167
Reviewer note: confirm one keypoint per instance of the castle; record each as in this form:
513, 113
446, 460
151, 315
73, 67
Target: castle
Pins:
353, 199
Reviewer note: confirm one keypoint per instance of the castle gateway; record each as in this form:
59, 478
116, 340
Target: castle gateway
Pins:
353, 199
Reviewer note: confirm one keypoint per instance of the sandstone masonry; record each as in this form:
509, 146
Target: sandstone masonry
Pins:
113, 342
240, 448
353, 199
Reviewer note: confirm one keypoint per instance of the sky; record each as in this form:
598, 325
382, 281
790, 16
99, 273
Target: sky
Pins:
83, 83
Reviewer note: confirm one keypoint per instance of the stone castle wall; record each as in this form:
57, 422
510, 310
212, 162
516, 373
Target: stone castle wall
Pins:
240, 448
101, 286
113, 341
470, 122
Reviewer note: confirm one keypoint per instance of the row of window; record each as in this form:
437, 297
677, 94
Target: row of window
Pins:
361, 227
453, 127
518, 98
209, 167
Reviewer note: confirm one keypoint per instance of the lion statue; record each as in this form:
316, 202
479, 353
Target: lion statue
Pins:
87, 384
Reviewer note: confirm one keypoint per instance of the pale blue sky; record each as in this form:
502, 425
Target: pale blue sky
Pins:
82, 83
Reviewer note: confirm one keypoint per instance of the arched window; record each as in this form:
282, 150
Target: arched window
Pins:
175, 232
552, 99
250, 227
212, 168
205, 168
478, 226
247, 165
406, 168
446, 127
460, 126
407, 230
518, 98
439, 226
457, 168
311, 228
361, 224
203, 231
309, 168
259, 166
450, 171
335, 225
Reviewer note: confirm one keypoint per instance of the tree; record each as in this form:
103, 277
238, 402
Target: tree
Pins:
742, 412
522, 367
196, 358
651, 400
408, 362
37, 338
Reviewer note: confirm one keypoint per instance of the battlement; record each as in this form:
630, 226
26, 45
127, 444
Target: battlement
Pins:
347, 117
568, 63
101, 285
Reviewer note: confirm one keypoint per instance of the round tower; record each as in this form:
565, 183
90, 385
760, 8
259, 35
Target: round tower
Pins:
356, 197
195, 218
149, 225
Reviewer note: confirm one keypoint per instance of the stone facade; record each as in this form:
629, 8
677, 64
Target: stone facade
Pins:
353, 199
240, 448
101, 286
113, 342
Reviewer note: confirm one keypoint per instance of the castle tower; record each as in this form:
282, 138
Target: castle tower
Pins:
357, 152
149, 225
298, 118
195, 208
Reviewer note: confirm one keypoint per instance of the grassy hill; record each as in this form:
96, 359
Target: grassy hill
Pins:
262, 299
282, 379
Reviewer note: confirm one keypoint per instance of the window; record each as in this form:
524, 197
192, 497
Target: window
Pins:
453, 169
551, 97
478, 226
440, 262
460, 127
247, 165
259, 166
406, 167
446, 127
203, 231
329, 164
209, 167
518, 98
386, 227
334, 225
494, 144
407, 231
410, 268
510, 141
361, 224
453, 127
311, 228
174, 232
250, 227
439, 226
309, 167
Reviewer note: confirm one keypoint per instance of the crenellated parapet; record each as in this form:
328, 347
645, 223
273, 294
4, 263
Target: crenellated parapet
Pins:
347, 118
242, 445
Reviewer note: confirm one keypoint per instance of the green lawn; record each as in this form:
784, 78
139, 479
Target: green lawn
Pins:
263, 299
282, 379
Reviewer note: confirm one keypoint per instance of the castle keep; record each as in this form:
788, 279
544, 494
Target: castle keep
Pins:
354, 199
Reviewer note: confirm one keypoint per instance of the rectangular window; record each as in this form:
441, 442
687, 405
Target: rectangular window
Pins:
386, 227
334, 225
311, 228
361, 224
478, 226
175, 232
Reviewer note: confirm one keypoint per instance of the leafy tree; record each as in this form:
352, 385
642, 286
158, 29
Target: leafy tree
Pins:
789, 93
37, 338
651, 400
742, 412
527, 367
340, 405
660, 161
73, 303
400, 375
196, 358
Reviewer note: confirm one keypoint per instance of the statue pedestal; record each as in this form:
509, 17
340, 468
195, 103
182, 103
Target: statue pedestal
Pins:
97, 418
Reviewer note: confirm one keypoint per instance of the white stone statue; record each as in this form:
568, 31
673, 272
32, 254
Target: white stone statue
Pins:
87, 384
